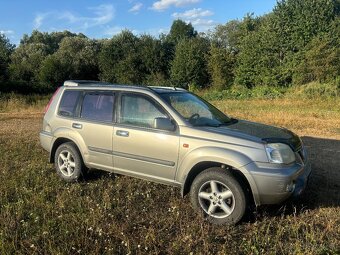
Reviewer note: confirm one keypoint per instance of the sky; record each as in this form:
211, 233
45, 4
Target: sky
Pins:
103, 18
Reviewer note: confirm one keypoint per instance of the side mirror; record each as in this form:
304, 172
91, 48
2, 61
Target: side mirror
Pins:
164, 124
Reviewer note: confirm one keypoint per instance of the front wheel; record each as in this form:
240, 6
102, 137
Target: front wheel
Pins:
219, 195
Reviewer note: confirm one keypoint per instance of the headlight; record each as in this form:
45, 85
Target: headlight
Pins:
280, 153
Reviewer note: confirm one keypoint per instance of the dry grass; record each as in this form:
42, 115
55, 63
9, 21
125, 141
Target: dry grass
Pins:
110, 214
15, 103
305, 117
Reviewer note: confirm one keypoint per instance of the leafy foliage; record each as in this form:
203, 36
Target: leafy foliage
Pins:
189, 66
51, 40
26, 61
120, 61
76, 58
6, 49
221, 64
180, 30
296, 44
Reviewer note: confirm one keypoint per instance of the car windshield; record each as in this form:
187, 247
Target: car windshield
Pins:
195, 110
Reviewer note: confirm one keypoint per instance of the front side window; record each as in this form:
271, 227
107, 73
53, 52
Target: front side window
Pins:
68, 103
98, 107
139, 111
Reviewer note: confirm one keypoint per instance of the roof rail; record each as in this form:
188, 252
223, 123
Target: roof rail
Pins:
75, 83
170, 88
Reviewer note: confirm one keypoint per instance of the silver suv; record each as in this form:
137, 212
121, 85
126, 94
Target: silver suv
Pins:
171, 136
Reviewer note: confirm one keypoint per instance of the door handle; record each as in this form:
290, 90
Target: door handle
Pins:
77, 125
122, 133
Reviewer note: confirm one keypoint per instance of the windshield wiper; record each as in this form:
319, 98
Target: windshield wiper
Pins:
206, 125
229, 122
213, 123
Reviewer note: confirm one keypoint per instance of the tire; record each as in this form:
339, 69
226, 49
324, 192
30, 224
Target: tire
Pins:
219, 196
68, 162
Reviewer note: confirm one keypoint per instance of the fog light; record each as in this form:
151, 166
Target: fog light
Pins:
290, 187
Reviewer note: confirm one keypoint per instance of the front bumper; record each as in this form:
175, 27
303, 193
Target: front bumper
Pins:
272, 184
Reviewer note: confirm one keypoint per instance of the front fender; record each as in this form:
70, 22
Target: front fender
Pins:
228, 157
210, 154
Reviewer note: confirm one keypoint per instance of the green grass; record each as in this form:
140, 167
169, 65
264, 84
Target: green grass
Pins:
109, 214
313, 90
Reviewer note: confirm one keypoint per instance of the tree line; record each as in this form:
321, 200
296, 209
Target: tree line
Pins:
297, 43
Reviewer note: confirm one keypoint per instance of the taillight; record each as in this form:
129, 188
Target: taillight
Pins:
49, 102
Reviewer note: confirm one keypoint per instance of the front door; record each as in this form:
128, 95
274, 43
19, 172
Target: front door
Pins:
139, 149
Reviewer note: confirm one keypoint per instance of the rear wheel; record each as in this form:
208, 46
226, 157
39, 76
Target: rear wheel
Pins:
217, 194
68, 162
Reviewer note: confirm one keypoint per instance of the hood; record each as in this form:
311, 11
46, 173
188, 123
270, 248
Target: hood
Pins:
266, 133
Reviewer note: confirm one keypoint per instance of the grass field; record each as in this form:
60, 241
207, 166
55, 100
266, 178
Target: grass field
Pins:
109, 214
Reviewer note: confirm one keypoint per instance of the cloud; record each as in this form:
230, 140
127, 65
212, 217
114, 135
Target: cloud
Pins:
197, 17
10, 34
202, 25
101, 15
39, 18
105, 13
68, 16
202, 22
165, 4
193, 14
136, 8
7, 32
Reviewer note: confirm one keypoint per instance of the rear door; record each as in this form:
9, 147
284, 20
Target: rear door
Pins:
95, 125
139, 149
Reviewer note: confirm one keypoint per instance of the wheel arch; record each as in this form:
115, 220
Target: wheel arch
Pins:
237, 174
58, 142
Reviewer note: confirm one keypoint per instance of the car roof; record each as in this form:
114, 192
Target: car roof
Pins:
100, 84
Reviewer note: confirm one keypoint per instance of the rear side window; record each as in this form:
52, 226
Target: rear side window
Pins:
68, 103
98, 107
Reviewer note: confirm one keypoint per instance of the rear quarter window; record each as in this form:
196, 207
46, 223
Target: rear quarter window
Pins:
68, 103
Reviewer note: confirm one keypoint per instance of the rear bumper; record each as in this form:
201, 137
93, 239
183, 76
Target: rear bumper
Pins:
274, 184
46, 140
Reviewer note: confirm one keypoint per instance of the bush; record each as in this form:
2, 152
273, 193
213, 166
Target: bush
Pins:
241, 92
316, 90
310, 90
25, 88
267, 92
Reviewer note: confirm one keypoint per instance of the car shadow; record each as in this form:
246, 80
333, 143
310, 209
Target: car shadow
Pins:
95, 174
323, 189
